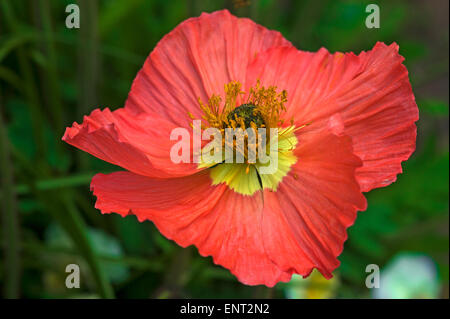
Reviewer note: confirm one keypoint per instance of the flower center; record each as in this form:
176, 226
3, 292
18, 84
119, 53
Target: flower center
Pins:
259, 109
248, 113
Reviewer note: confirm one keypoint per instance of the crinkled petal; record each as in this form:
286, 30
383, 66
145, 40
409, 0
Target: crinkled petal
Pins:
196, 60
189, 210
370, 93
299, 227
139, 143
305, 221
193, 61
175, 200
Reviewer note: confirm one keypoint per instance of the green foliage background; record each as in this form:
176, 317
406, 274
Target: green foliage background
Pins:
51, 76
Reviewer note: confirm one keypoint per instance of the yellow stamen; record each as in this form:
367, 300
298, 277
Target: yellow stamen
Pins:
261, 108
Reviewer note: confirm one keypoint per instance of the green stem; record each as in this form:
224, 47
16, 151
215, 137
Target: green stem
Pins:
88, 64
57, 183
49, 76
38, 249
79, 233
30, 89
9, 217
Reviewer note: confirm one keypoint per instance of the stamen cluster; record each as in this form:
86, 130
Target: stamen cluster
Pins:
261, 109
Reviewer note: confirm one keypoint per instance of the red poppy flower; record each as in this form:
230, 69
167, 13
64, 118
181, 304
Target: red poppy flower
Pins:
346, 123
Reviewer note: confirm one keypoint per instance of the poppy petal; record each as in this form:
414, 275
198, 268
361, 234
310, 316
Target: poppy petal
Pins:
196, 60
305, 221
189, 210
139, 143
370, 92
179, 200
235, 238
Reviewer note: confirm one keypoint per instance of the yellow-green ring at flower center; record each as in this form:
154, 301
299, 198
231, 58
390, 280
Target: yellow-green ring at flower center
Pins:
247, 179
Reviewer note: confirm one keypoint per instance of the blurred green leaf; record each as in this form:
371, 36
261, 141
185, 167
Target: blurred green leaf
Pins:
103, 244
434, 107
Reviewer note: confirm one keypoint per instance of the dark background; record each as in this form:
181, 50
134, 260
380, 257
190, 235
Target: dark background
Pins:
51, 76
